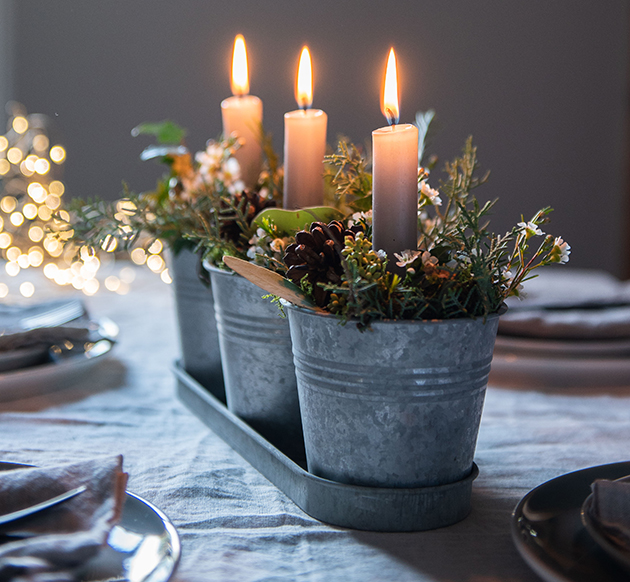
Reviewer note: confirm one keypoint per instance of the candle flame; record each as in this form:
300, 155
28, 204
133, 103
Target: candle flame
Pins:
304, 84
240, 79
389, 104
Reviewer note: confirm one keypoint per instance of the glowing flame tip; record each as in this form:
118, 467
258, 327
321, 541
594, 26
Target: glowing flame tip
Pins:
240, 78
389, 104
304, 84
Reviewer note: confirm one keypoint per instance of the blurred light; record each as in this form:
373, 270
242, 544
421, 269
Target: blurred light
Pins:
29, 210
78, 282
35, 257
27, 289
155, 263
40, 142
14, 155
13, 253
5, 240
127, 274
91, 287
20, 125
4, 167
109, 244
42, 166
26, 171
36, 233
12, 269
76, 267
4, 290
138, 256
8, 204
64, 215
55, 250
123, 288
57, 154
4, 143
23, 261
29, 162
52, 202
37, 192
44, 213
17, 219
126, 207
156, 247
165, 276
56, 187
50, 270
1, 223
112, 283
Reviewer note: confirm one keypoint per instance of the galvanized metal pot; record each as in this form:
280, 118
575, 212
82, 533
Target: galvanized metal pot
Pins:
198, 335
398, 406
257, 360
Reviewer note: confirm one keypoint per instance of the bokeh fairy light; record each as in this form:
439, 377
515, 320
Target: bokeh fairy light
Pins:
32, 219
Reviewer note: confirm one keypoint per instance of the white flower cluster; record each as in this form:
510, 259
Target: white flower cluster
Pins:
216, 164
431, 195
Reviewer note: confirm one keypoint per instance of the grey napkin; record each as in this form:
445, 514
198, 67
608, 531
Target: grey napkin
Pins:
610, 509
62, 538
572, 305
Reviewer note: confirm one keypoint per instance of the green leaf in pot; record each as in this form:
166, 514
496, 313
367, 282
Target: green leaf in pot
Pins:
291, 221
166, 132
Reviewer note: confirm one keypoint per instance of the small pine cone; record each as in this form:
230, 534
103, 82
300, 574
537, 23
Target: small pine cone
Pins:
252, 203
316, 255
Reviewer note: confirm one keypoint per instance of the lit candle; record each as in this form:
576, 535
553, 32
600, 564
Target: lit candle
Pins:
304, 144
394, 176
242, 116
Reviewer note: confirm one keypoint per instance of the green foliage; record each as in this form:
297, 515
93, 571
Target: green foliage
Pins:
459, 270
290, 221
166, 132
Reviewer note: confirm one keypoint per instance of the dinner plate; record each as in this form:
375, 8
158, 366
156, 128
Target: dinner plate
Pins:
540, 347
548, 532
594, 528
143, 547
526, 371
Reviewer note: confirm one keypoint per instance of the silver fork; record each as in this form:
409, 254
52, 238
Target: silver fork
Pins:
15, 515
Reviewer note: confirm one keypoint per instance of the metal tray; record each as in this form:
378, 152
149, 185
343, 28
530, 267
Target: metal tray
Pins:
351, 506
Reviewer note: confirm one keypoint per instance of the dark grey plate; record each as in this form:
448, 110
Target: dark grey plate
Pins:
143, 547
548, 532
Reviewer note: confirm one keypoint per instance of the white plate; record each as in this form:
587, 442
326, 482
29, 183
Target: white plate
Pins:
52, 376
576, 348
549, 535
143, 547
519, 371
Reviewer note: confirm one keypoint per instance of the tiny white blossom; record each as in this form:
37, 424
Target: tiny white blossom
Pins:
406, 257
530, 229
429, 259
357, 216
560, 251
381, 254
431, 193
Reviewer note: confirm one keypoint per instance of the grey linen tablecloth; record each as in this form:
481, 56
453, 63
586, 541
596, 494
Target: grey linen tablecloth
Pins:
237, 526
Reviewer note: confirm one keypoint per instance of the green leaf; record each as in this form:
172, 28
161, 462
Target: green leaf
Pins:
423, 123
290, 221
362, 204
166, 132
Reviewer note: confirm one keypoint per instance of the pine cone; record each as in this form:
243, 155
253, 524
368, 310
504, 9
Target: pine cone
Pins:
316, 255
252, 203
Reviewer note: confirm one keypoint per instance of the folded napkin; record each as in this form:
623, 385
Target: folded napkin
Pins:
570, 305
58, 540
610, 510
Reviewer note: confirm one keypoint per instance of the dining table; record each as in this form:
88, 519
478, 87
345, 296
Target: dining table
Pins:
233, 523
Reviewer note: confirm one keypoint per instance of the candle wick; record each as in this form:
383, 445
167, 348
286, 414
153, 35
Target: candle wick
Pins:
392, 118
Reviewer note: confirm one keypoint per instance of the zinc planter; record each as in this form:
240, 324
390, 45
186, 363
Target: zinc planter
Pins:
198, 335
258, 368
398, 406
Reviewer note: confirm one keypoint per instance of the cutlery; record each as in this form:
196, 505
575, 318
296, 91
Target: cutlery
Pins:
15, 515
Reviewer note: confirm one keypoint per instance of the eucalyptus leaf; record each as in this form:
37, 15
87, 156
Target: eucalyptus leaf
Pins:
423, 123
159, 151
290, 221
166, 132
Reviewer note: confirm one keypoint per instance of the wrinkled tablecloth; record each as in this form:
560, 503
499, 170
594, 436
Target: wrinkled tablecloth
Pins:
234, 524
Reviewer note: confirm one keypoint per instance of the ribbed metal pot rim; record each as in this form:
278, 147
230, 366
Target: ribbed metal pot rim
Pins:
331, 316
210, 267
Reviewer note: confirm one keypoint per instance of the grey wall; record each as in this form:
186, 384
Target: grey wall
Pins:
7, 52
541, 85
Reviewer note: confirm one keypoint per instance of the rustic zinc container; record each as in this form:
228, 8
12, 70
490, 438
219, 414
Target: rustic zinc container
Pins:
258, 368
397, 406
198, 335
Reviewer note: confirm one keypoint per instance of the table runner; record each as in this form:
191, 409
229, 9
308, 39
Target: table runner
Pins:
237, 526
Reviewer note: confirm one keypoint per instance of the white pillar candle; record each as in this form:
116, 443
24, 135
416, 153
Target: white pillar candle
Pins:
394, 177
242, 116
304, 144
